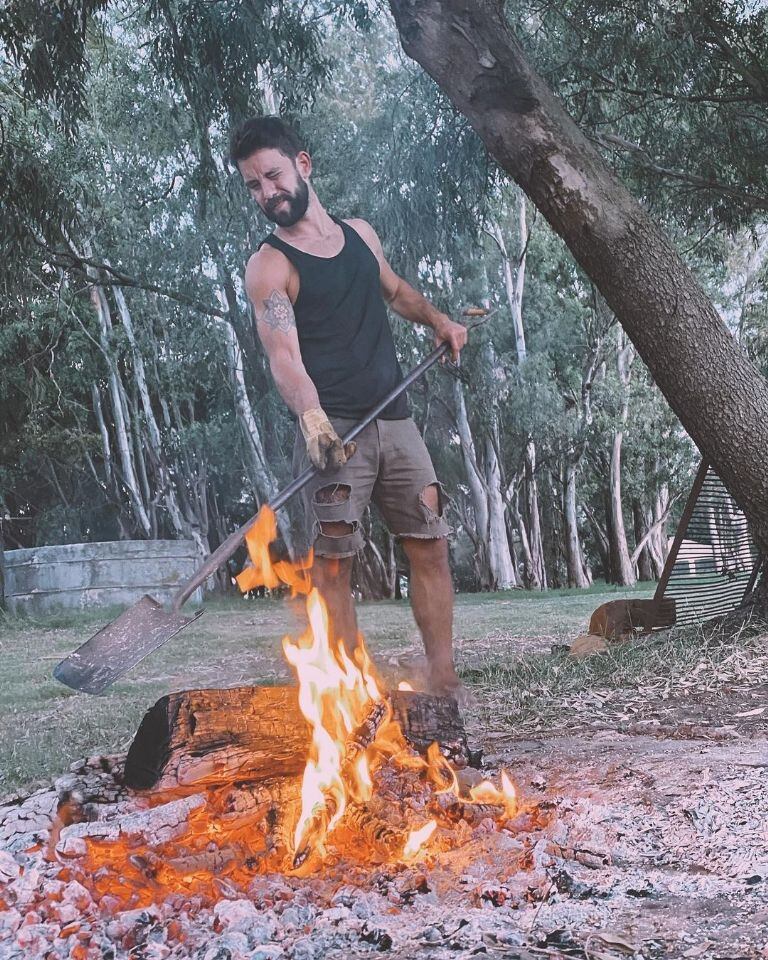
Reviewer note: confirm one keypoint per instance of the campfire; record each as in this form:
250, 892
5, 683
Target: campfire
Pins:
221, 786
353, 734
335, 817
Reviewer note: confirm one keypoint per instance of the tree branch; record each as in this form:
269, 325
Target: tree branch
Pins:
611, 141
79, 263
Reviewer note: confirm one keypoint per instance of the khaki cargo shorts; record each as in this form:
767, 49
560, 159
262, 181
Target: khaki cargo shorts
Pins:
392, 467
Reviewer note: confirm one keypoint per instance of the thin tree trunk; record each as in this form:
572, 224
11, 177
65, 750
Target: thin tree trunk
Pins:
476, 484
530, 578
533, 514
658, 544
623, 567
119, 413
502, 569
106, 450
574, 555
640, 522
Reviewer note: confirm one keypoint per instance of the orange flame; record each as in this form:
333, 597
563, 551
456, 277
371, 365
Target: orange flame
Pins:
335, 694
486, 792
417, 839
262, 571
440, 772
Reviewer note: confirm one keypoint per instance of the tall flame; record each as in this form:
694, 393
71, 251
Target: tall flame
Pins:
340, 698
335, 693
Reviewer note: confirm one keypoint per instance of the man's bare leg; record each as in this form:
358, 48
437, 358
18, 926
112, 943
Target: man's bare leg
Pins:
431, 596
333, 578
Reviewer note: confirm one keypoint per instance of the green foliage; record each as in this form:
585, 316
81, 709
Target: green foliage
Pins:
122, 152
675, 92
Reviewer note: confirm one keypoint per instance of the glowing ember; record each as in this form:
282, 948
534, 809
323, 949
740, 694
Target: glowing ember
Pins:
417, 839
404, 685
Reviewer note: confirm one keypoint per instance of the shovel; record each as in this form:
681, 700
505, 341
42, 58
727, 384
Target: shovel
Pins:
147, 625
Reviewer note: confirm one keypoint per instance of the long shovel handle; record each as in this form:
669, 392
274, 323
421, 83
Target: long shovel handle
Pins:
225, 550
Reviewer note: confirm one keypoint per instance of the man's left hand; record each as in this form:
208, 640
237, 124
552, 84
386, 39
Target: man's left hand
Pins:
453, 333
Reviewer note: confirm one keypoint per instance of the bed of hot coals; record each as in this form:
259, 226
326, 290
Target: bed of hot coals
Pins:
631, 846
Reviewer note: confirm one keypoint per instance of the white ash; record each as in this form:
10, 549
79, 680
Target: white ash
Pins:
667, 850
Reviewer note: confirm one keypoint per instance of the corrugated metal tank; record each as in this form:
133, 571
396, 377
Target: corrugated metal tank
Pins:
42, 580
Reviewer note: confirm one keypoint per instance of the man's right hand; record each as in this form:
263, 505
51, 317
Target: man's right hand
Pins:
324, 446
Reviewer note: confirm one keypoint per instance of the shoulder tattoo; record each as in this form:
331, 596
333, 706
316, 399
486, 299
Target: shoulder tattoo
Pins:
278, 312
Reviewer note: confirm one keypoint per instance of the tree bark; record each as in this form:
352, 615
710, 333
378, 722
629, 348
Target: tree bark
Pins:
719, 395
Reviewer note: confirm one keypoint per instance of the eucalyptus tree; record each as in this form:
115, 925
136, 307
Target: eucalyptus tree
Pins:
720, 397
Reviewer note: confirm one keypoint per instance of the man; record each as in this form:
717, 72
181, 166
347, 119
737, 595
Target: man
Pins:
318, 286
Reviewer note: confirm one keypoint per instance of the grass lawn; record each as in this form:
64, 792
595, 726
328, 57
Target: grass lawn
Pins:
503, 645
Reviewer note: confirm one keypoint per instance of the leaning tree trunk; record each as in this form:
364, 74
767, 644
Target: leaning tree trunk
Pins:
718, 394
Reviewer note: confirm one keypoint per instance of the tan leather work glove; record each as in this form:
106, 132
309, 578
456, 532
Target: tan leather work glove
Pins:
324, 446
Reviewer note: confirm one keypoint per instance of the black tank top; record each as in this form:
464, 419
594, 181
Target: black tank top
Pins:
344, 334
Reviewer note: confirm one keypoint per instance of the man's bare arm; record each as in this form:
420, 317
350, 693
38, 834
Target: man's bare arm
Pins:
407, 301
266, 282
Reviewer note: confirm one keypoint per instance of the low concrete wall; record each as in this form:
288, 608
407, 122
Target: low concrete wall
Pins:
78, 575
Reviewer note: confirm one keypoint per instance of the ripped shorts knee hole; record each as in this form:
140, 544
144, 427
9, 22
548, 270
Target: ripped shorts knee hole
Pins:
433, 516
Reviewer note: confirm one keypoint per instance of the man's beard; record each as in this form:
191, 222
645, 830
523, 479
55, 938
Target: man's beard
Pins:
293, 210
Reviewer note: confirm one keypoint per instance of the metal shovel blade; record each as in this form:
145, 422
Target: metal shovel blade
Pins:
120, 645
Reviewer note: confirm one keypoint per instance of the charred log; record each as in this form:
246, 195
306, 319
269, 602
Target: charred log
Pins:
247, 734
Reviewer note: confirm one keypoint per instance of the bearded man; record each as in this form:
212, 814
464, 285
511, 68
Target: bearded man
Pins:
319, 287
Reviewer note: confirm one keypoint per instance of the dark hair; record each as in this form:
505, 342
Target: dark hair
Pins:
263, 133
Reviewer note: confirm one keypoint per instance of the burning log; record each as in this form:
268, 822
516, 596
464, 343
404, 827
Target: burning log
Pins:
450, 809
373, 828
363, 736
152, 827
425, 720
202, 738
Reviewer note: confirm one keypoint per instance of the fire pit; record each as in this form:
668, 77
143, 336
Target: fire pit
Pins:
338, 819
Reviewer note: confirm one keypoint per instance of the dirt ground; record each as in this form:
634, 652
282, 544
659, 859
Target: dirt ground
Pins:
647, 770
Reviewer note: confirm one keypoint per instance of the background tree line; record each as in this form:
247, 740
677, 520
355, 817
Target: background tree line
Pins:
136, 401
